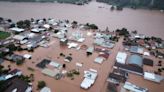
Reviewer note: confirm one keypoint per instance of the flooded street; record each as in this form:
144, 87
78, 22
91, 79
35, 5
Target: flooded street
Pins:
144, 21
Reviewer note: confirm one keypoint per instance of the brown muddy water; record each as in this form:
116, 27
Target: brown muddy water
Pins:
148, 22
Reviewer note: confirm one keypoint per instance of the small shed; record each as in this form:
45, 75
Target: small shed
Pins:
121, 57
45, 89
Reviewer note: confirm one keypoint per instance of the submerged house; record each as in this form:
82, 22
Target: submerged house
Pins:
153, 77
20, 39
45, 89
134, 88
16, 85
17, 30
50, 73
136, 49
89, 78
134, 65
121, 57
90, 51
135, 60
15, 58
63, 41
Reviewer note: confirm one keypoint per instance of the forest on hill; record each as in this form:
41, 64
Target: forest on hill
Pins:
152, 4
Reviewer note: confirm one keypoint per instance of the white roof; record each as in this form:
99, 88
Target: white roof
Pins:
90, 49
23, 41
153, 77
49, 72
46, 25
146, 53
134, 88
45, 89
99, 60
55, 64
17, 29
8, 76
149, 75
79, 64
14, 90
31, 35
19, 37
140, 50
35, 30
81, 40
90, 75
29, 89
121, 57
72, 45
27, 56
86, 83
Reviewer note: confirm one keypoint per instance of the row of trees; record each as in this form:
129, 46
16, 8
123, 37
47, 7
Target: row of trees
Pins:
24, 24
60, 1
157, 4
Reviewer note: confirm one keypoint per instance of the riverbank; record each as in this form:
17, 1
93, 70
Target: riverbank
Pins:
137, 4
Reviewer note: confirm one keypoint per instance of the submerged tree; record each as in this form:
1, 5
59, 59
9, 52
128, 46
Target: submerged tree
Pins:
41, 84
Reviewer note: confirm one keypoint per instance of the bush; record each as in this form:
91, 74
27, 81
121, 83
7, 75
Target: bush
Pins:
76, 72
91, 26
69, 74
41, 84
31, 69
19, 62
25, 78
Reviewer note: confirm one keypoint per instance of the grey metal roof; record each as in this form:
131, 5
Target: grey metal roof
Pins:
135, 60
134, 49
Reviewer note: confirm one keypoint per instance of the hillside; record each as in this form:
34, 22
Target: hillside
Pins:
152, 4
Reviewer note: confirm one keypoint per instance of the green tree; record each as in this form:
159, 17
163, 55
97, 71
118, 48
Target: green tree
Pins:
41, 84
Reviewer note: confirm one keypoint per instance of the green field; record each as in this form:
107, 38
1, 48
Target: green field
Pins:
4, 35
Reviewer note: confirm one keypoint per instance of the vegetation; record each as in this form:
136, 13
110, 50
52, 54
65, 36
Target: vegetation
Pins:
25, 78
155, 4
2, 70
122, 32
4, 35
76, 72
12, 47
41, 84
72, 73
79, 2
69, 74
2, 87
91, 26
24, 24
31, 69
19, 62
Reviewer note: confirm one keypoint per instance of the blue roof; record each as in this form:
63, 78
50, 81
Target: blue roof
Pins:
1, 60
134, 49
2, 78
135, 60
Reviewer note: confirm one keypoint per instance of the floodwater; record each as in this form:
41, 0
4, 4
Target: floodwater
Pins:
145, 21
149, 22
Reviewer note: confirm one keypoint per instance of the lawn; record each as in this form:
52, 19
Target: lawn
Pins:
4, 35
